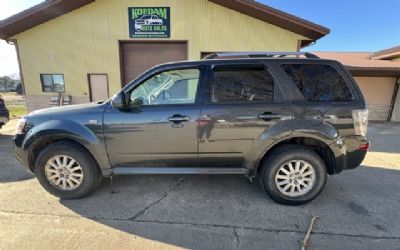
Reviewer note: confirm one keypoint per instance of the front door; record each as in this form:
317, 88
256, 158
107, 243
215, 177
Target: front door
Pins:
158, 129
245, 101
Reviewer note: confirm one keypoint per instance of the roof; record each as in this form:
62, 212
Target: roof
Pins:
38, 14
390, 53
360, 63
51, 9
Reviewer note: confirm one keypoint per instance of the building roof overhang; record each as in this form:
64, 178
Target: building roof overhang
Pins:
361, 64
388, 54
51, 9
36, 15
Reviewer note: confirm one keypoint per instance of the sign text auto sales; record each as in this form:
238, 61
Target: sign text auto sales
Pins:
149, 22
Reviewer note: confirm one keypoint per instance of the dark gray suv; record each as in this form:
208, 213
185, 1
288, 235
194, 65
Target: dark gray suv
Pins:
288, 119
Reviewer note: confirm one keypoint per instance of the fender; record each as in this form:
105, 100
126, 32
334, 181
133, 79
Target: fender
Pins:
68, 129
325, 134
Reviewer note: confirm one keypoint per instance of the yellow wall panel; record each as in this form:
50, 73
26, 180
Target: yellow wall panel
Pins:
86, 40
377, 90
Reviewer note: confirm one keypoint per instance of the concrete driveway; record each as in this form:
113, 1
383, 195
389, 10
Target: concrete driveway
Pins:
358, 209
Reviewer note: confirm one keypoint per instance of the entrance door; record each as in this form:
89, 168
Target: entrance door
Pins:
98, 86
137, 57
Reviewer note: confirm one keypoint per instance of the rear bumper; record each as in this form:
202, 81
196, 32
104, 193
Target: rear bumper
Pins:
352, 156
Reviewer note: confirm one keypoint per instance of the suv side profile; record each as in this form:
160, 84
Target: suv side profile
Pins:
288, 119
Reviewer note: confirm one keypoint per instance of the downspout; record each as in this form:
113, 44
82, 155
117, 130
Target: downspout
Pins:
21, 76
394, 97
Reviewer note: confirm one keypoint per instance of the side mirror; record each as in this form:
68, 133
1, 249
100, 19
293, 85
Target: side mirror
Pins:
138, 102
118, 100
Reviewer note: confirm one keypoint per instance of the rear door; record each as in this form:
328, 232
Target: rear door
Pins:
244, 100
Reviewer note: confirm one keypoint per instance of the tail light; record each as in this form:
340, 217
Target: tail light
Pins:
364, 146
360, 120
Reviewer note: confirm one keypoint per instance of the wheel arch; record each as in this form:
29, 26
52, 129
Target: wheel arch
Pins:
57, 130
322, 148
39, 145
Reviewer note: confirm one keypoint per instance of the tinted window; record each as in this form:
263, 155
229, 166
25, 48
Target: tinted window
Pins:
319, 82
169, 87
242, 84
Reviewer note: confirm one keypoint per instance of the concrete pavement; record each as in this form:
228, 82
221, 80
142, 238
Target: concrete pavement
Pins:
358, 210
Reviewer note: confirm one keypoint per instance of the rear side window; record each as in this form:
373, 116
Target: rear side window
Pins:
319, 83
242, 84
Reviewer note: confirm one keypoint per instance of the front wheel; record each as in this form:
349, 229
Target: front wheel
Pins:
67, 170
293, 175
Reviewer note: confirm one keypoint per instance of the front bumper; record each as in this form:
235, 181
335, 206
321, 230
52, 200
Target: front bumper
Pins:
20, 154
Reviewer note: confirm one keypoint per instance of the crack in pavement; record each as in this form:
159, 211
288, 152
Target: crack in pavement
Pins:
140, 213
211, 225
237, 240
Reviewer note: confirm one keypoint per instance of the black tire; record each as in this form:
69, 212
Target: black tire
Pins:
91, 173
283, 155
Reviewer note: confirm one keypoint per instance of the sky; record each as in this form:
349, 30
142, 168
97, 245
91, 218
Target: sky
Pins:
356, 25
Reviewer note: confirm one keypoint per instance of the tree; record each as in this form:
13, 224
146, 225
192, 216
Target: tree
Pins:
7, 84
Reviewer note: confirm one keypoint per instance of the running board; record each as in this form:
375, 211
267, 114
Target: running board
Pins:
167, 170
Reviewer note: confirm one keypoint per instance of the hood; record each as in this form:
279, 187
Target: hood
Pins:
70, 109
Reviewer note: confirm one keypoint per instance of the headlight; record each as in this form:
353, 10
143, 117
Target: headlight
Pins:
20, 126
360, 120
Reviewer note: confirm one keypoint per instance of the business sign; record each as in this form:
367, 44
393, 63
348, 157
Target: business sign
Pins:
149, 22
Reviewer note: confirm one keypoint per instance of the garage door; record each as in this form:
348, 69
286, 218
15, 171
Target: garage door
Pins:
137, 57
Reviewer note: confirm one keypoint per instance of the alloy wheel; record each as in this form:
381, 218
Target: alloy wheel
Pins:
295, 178
64, 172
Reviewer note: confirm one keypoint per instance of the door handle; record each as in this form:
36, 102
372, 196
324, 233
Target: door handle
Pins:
269, 116
179, 118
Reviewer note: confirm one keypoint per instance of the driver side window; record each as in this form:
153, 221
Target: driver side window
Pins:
169, 87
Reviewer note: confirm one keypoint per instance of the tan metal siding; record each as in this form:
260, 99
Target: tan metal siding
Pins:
378, 93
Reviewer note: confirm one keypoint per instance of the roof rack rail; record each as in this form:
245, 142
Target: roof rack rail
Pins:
259, 55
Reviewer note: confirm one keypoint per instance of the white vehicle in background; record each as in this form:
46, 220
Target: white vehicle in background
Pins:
148, 20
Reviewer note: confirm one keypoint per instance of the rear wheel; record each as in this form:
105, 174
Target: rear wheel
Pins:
293, 175
67, 170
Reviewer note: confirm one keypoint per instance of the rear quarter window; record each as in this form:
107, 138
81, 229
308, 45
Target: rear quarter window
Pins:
319, 83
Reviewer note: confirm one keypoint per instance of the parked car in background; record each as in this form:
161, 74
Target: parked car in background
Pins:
19, 89
286, 120
12, 88
4, 114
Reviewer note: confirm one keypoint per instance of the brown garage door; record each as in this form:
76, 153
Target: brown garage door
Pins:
137, 57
